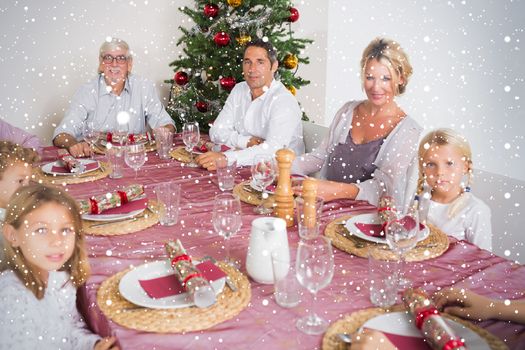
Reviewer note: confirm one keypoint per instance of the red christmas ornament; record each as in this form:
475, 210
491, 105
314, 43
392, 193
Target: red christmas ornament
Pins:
227, 83
211, 10
221, 39
181, 78
294, 15
201, 106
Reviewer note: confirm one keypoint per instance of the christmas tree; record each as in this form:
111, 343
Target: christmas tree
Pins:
214, 49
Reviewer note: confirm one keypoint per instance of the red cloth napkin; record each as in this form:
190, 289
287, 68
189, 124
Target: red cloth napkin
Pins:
63, 169
407, 342
371, 230
169, 285
127, 208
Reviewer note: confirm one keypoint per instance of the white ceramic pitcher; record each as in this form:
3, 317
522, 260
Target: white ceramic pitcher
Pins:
268, 236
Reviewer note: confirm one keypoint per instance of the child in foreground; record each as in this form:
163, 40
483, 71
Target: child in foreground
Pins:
46, 263
445, 170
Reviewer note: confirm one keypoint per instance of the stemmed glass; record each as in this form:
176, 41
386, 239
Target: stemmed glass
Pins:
402, 235
264, 171
91, 134
314, 269
226, 219
135, 156
191, 136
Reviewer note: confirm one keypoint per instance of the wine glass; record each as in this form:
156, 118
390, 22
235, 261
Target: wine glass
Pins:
402, 235
314, 270
191, 136
226, 219
90, 134
264, 171
135, 156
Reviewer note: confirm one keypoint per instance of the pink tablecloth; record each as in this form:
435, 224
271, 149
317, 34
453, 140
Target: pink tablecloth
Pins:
263, 324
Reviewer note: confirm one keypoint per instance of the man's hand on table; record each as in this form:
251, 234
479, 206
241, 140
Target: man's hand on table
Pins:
80, 149
207, 160
254, 141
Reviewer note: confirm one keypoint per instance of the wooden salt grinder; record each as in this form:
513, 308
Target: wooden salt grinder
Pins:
283, 193
309, 195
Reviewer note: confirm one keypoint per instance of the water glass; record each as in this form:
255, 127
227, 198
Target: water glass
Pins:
381, 272
287, 291
307, 224
314, 271
164, 140
226, 173
168, 196
226, 219
190, 137
114, 159
402, 235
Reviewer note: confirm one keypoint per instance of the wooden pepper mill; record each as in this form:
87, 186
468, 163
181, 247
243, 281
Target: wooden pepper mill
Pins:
283, 193
309, 195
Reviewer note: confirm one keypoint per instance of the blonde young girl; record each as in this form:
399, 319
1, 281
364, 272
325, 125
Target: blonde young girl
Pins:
445, 171
46, 262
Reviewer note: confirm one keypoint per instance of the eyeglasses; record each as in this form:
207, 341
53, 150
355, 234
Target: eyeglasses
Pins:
108, 59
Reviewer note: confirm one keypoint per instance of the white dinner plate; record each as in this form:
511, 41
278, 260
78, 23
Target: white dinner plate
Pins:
112, 217
46, 168
374, 219
402, 323
129, 287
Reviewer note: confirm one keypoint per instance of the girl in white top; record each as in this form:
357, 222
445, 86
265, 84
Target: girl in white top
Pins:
371, 145
46, 263
445, 159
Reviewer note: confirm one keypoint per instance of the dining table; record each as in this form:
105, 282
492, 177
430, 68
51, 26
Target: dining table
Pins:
263, 324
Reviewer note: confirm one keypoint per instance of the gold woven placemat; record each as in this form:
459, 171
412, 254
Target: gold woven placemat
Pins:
98, 174
349, 324
180, 154
251, 196
188, 319
433, 246
147, 218
100, 149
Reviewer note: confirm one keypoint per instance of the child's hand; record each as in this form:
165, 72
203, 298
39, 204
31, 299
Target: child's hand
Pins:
465, 304
107, 343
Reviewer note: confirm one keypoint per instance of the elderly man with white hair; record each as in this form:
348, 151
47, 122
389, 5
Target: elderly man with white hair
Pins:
114, 90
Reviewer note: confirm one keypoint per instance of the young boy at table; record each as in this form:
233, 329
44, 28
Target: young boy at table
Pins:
15, 171
445, 170
46, 262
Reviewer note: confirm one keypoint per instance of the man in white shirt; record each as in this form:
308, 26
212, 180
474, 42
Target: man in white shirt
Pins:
115, 90
260, 115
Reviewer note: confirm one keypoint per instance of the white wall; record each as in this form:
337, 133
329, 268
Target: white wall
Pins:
468, 68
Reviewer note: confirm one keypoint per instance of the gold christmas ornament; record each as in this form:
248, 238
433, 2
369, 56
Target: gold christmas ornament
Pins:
234, 3
243, 39
290, 61
292, 89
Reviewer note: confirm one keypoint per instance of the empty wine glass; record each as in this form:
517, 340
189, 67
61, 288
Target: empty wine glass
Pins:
264, 171
191, 136
90, 134
135, 156
402, 235
315, 270
226, 219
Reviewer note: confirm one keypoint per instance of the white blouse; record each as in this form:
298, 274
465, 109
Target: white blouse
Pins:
50, 323
472, 223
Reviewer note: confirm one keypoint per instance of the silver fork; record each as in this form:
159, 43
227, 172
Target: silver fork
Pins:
229, 282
